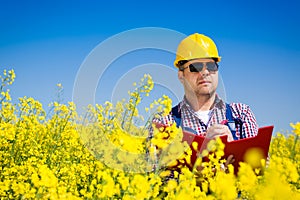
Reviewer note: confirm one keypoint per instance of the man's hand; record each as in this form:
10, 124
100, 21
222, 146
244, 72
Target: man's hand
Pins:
218, 130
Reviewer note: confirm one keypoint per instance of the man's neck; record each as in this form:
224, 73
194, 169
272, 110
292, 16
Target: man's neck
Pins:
201, 103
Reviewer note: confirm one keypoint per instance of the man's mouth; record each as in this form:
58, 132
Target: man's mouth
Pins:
203, 82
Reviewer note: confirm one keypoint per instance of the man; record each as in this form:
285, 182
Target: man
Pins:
201, 111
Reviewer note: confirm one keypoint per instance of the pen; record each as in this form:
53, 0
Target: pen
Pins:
224, 122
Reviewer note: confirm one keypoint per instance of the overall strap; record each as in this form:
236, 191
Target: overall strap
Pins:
176, 115
229, 116
233, 122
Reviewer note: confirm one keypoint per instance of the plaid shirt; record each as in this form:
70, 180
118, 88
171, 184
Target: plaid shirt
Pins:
191, 123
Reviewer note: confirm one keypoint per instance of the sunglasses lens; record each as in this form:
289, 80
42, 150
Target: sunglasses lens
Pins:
211, 66
196, 67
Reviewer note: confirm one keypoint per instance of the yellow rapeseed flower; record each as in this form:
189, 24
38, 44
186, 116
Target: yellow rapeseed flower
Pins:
60, 155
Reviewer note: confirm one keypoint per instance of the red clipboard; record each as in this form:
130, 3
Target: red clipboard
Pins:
240, 149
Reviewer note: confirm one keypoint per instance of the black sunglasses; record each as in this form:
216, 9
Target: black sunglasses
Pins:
198, 66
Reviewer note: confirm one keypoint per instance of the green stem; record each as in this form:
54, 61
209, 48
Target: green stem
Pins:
294, 148
123, 120
132, 113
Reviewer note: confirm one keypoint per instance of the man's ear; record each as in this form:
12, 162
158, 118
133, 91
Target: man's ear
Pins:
180, 76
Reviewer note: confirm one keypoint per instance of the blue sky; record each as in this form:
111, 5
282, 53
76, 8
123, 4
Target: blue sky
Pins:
46, 42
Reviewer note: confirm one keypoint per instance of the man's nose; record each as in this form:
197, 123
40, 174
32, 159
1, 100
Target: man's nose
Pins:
204, 71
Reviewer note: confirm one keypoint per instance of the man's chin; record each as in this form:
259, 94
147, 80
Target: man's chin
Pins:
205, 93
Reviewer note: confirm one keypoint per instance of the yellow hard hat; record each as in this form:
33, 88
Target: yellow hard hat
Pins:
196, 46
